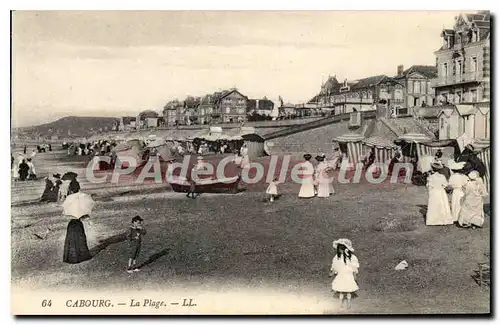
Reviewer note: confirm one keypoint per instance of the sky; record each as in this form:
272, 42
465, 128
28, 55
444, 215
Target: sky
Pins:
115, 63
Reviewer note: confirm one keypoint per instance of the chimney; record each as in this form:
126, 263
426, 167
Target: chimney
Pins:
400, 70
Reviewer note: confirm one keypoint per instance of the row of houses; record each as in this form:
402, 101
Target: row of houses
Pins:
454, 94
220, 107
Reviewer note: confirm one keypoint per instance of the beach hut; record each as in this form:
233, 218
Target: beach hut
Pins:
384, 148
483, 151
351, 145
255, 145
129, 150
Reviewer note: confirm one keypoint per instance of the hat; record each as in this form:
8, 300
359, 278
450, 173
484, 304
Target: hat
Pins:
57, 175
456, 166
200, 158
307, 156
320, 158
473, 175
437, 165
470, 146
343, 241
137, 218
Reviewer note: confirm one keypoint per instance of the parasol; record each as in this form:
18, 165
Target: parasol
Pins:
78, 205
69, 176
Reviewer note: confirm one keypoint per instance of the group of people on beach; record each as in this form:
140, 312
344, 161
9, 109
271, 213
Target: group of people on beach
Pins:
464, 178
24, 168
57, 189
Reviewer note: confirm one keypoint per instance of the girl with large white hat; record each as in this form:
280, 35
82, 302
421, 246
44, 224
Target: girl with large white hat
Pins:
344, 267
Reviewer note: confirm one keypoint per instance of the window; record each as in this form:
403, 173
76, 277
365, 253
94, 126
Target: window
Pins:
458, 97
459, 67
423, 86
398, 95
410, 85
445, 69
473, 65
429, 88
416, 87
473, 95
228, 110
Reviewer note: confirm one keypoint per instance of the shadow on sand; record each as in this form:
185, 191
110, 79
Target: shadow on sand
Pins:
423, 211
154, 257
106, 242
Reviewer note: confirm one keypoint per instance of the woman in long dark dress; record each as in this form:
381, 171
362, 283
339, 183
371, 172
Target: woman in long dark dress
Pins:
76, 249
47, 193
23, 170
74, 187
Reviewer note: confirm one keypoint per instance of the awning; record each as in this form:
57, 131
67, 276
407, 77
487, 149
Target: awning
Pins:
252, 137
377, 141
350, 137
156, 143
418, 137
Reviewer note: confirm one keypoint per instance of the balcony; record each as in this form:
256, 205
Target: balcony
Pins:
457, 79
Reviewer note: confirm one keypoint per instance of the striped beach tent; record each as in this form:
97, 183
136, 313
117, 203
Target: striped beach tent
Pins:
483, 149
384, 148
351, 145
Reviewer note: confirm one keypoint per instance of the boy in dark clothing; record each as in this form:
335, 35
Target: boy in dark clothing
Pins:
135, 240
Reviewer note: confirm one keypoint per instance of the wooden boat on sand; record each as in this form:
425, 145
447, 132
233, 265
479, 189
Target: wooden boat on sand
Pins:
226, 185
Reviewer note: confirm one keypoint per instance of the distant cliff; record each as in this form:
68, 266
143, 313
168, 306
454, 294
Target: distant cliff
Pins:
70, 126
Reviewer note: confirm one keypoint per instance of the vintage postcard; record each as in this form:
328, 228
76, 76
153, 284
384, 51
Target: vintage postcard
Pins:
250, 162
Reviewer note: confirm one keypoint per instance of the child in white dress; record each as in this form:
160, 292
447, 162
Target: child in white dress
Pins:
345, 267
272, 189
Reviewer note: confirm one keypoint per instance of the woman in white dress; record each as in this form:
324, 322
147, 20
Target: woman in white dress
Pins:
438, 207
244, 153
321, 178
345, 266
472, 212
457, 182
307, 187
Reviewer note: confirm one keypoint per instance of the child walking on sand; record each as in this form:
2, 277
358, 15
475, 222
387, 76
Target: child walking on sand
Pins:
345, 267
135, 241
272, 189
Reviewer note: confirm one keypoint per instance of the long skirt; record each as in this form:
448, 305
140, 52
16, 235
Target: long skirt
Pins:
75, 245
456, 202
472, 212
306, 190
438, 209
323, 189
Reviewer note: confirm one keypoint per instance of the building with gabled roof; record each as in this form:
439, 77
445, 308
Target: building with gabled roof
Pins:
417, 84
463, 61
359, 95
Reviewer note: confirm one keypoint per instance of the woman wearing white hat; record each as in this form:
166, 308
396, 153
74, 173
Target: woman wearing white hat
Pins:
345, 266
321, 177
457, 182
438, 207
472, 213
